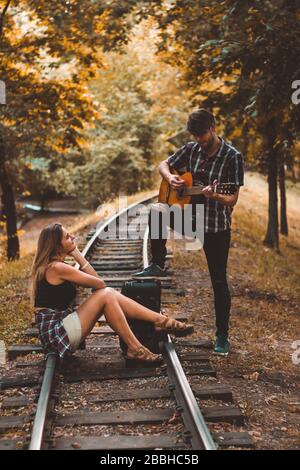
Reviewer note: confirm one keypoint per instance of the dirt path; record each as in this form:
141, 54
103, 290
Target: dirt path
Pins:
255, 191
254, 199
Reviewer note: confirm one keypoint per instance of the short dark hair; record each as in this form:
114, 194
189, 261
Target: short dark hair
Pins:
200, 121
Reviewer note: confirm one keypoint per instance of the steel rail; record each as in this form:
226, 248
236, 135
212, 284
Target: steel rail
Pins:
38, 428
112, 219
196, 428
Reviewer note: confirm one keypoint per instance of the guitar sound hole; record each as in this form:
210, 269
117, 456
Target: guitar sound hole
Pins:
180, 193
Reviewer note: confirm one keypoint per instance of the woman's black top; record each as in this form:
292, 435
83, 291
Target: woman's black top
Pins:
57, 297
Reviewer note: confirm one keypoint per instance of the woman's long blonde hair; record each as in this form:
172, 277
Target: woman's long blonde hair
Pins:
49, 246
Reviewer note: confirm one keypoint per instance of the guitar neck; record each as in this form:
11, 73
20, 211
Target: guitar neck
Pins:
193, 190
223, 188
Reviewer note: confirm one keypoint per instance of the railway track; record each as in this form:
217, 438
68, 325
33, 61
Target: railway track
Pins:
92, 401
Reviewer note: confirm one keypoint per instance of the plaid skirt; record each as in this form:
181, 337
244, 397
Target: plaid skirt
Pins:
52, 333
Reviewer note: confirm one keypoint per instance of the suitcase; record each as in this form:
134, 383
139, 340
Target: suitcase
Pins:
147, 293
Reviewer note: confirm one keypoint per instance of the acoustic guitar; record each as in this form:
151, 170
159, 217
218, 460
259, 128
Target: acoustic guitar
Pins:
169, 195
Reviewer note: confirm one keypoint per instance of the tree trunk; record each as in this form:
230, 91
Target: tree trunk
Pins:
9, 208
245, 139
283, 215
272, 235
42, 202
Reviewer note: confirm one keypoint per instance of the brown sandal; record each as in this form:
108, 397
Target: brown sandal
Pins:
173, 327
143, 357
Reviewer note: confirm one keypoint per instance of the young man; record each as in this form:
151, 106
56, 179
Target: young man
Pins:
210, 159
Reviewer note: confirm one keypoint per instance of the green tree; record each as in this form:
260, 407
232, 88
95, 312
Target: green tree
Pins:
48, 53
139, 104
239, 58
249, 50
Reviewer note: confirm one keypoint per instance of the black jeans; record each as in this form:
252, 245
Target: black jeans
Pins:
216, 249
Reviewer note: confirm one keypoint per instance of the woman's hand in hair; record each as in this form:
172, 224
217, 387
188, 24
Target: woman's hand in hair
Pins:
80, 259
73, 251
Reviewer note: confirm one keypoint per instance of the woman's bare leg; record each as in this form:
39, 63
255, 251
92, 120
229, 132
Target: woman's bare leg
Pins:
104, 301
133, 309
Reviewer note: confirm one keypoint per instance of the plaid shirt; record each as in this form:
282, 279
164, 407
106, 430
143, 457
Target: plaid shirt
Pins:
52, 333
227, 166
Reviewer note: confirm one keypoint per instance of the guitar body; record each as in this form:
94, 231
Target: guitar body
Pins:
180, 197
169, 195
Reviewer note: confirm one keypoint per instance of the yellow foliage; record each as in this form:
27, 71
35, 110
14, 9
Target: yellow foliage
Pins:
16, 313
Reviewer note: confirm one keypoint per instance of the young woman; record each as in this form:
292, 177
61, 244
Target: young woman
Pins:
53, 290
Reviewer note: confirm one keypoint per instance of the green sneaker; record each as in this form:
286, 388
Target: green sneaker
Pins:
153, 271
221, 346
